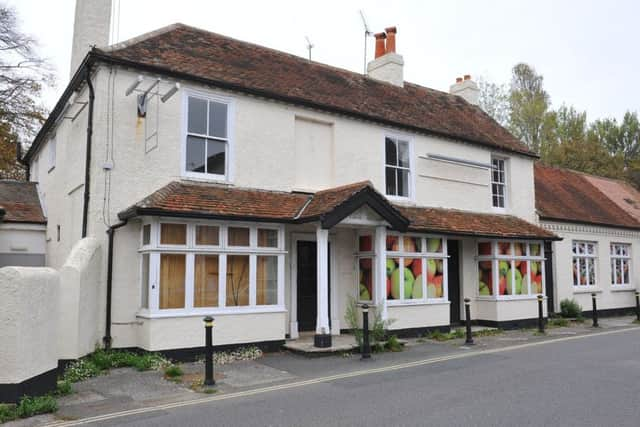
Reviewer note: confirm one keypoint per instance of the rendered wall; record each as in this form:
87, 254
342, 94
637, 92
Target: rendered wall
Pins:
608, 296
28, 322
22, 245
79, 305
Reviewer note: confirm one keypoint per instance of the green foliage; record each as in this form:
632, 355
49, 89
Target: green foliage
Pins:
30, 406
557, 323
7, 412
101, 361
393, 344
437, 335
377, 326
80, 370
487, 332
570, 308
173, 371
63, 388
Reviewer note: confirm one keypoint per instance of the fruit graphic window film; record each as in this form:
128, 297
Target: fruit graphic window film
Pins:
434, 245
514, 270
584, 263
366, 279
620, 263
485, 278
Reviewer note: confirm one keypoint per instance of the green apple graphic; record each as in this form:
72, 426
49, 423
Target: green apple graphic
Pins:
391, 265
484, 289
364, 293
518, 276
395, 283
433, 245
503, 268
417, 288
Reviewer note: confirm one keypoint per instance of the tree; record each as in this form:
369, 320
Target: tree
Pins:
494, 100
23, 74
529, 104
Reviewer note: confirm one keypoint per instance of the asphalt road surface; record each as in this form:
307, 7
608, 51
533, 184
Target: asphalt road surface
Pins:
593, 381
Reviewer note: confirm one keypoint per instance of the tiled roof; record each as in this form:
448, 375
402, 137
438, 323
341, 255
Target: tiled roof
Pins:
621, 193
20, 202
237, 65
566, 195
187, 199
452, 221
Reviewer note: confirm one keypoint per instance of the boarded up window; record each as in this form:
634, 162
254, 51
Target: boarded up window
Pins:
314, 154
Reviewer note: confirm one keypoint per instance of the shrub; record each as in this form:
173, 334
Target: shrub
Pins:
570, 308
80, 370
377, 326
30, 406
173, 371
393, 344
7, 412
63, 388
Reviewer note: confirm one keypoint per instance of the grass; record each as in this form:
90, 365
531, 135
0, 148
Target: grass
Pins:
393, 344
173, 371
445, 336
27, 407
557, 323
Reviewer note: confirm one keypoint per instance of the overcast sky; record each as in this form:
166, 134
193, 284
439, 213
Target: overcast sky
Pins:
586, 50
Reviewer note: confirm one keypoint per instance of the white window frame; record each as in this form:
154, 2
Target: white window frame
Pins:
411, 181
624, 259
495, 259
424, 256
503, 184
190, 249
585, 256
229, 157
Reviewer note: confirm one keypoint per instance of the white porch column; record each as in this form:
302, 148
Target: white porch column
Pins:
323, 331
380, 273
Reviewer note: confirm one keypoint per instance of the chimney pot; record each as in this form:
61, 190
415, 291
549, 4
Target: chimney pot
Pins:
467, 76
391, 39
380, 46
458, 79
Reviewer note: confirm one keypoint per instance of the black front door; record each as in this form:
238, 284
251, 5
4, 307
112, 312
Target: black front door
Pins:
308, 284
453, 272
548, 276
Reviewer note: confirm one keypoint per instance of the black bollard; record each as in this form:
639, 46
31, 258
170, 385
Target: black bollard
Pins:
540, 316
208, 344
595, 310
638, 305
366, 345
467, 315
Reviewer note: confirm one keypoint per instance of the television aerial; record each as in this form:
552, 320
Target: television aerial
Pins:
367, 33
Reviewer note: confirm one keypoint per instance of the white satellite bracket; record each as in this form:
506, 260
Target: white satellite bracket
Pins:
143, 99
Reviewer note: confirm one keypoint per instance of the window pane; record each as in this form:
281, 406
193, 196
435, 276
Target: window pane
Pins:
536, 277
520, 276
485, 278
393, 243
205, 281
484, 248
625, 272
238, 236
216, 155
365, 243
195, 154
576, 272
197, 121
267, 238
267, 280
435, 279
173, 234
534, 249
435, 245
504, 248
237, 280
403, 154
592, 272
413, 278
391, 157
403, 183
146, 234
144, 282
172, 271
365, 284
218, 119
207, 235
519, 249
390, 174
504, 278
393, 278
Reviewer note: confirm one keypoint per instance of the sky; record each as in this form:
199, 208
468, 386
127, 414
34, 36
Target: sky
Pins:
586, 50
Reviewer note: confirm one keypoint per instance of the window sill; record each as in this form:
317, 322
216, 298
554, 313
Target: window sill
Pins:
508, 298
587, 290
419, 302
218, 179
168, 314
401, 199
615, 288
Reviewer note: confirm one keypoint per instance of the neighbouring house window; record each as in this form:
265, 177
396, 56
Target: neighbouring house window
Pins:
212, 266
415, 268
397, 167
52, 153
207, 140
498, 183
146, 234
584, 263
620, 264
510, 268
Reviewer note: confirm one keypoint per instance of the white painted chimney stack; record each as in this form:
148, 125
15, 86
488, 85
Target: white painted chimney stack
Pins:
467, 89
92, 27
387, 65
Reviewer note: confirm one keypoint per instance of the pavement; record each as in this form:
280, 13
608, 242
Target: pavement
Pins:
510, 373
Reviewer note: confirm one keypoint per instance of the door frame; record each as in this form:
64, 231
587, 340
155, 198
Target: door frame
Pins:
293, 283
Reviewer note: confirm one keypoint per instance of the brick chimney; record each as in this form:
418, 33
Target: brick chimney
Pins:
387, 65
467, 89
91, 27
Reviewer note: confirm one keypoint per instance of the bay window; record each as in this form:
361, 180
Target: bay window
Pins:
509, 269
584, 263
202, 268
620, 264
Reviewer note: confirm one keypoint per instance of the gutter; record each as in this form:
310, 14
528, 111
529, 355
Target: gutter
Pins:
107, 339
87, 165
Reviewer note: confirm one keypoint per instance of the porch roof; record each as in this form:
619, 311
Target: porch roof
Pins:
329, 207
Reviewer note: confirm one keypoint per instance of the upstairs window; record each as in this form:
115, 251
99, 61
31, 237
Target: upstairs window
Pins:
397, 167
207, 140
498, 183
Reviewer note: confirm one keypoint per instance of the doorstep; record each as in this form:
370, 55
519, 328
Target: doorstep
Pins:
304, 345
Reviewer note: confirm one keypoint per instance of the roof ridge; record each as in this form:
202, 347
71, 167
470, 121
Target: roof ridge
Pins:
142, 37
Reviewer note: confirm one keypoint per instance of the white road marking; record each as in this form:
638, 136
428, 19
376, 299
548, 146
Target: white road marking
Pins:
326, 379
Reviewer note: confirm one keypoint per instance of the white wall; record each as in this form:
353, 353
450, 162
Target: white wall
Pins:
28, 322
22, 244
608, 296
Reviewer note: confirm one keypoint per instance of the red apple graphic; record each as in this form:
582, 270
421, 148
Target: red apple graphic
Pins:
416, 267
365, 244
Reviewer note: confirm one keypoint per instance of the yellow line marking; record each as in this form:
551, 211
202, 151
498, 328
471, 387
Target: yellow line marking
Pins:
326, 379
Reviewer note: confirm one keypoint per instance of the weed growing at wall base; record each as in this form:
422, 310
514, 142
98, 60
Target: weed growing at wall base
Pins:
27, 407
101, 361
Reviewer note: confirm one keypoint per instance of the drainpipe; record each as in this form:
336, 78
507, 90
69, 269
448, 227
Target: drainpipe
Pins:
87, 166
106, 340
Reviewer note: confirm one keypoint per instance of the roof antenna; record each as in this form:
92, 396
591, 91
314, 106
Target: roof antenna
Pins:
367, 33
309, 46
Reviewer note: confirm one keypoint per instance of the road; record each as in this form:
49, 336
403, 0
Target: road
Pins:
592, 381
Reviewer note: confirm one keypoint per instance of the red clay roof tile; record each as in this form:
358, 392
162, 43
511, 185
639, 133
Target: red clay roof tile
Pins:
21, 202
